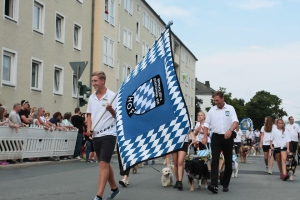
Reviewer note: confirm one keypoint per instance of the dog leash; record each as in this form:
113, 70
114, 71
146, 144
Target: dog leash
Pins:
154, 168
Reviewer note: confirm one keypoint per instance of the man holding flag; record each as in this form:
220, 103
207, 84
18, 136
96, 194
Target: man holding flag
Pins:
102, 125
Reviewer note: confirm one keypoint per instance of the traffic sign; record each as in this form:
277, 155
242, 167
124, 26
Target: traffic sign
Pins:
78, 68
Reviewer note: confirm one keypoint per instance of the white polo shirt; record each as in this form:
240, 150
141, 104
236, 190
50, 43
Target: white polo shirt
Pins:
280, 139
293, 130
96, 107
249, 134
220, 120
256, 133
239, 135
267, 136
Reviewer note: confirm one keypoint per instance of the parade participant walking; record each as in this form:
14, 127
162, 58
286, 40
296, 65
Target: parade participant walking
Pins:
237, 141
266, 133
281, 140
257, 136
178, 159
222, 120
294, 131
199, 130
249, 136
104, 132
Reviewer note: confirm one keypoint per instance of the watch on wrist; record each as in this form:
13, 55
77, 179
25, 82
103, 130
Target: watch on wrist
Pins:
231, 129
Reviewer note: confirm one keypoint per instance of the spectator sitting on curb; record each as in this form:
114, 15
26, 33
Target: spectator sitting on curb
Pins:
24, 113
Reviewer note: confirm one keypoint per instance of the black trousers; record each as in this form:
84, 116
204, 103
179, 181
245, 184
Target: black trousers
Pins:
218, 144
122, 172
237, 147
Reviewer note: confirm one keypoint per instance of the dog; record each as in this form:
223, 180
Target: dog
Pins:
134, 168
196, 169
255, 149
291, 165
235, 169
244, 151
167, 176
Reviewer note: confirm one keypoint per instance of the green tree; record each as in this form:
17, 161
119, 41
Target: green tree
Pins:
264, 104
238, 104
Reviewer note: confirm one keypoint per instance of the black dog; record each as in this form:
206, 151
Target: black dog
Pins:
196, 169
291, 165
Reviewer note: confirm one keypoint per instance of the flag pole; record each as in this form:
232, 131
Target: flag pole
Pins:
92, 130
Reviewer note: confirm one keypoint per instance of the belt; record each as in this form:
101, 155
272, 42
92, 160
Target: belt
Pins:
103, 130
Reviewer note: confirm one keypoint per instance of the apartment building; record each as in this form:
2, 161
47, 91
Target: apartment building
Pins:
124, 32
38, 40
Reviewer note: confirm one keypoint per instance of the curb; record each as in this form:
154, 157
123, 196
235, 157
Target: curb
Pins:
37, 163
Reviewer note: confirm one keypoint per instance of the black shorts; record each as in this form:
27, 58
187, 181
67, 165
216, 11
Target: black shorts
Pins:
278, 150
184, 147
266, 148
293, 146
104, 147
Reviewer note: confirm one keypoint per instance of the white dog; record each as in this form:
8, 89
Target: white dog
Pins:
235, 169
167, 176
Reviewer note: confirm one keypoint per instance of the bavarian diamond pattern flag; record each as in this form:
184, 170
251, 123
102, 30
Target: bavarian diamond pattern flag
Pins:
152, 118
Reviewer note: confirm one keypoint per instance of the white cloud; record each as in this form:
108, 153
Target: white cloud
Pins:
169, 11
257, 4
255, 47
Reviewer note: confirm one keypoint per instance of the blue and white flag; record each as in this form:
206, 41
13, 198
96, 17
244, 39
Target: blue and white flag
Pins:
152, 118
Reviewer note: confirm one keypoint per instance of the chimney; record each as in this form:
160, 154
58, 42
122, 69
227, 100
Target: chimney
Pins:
207, 83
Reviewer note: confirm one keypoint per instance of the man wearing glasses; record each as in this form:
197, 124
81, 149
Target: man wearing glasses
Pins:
24, 114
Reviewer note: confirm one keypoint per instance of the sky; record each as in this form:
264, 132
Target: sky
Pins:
244, 46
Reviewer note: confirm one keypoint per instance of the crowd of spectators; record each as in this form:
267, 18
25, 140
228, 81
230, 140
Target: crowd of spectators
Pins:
22, 115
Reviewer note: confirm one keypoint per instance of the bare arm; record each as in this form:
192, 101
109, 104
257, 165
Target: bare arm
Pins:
110, 109
26, 120
89, 124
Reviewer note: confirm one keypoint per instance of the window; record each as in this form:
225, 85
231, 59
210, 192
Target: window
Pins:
58, 80
112, 12
38, 17
153, 28
146, 19
77, 36
59, 28
108, 52
182, 56
138, 7
183, 76
136, 59
74, 86
80, 1
137, 32
118, 70
11, 9
128, 6
158, 31
145, 49
119, 31
192, 102
126, 71
127, 38
9, 67
187, 80
192, 83
36, 74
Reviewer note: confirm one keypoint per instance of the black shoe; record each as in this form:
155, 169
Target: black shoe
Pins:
213, 189
179, 185
225, 189
176, 185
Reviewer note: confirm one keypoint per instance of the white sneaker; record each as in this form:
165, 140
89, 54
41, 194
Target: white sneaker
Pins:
270, 171
78, 157
267, 170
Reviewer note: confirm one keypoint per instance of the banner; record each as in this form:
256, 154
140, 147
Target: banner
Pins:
152, 118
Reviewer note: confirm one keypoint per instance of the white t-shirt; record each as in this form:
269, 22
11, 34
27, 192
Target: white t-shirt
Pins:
280, 139
256, 133
220, 120
293, 130
239, 135
43, 118
200, 135
249, 134
96, 107
267, 136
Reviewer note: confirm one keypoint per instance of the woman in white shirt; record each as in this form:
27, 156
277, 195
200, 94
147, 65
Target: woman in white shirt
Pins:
266, 133
281, 140
237, 141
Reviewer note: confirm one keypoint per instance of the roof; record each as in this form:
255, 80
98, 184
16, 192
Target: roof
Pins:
203, 89
160, 19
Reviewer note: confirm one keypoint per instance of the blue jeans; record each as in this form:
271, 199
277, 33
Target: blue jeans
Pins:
78, 145
88, 149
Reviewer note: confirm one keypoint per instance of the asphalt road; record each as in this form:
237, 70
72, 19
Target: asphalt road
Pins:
78, 180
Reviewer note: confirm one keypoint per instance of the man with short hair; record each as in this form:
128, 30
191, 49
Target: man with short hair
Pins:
24, 113
14, 115
104, 132
222, 121
78, 121
294, 132
48, 125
